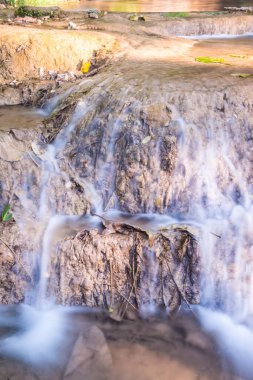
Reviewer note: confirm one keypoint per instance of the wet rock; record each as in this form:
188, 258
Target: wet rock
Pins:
90, 357
93, 15
16, 273
71, 75
112, 270
62, 77
199, 340
41, 72
133, 17
28, 93
13, 145
239, 9
52, 74
15, 371
72, 26
14, 83
10, 95
119, 260
156, 115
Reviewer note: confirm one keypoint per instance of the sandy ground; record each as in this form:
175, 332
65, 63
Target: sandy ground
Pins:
29, 51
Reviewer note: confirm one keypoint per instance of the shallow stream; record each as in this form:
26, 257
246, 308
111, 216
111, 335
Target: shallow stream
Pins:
19, 117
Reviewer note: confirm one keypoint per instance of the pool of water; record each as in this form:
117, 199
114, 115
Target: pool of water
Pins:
142, 5
76, 343
19, 117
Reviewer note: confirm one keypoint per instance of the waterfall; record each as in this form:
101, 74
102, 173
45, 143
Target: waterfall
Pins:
207, 174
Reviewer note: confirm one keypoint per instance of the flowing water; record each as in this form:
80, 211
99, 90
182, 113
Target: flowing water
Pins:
210, 190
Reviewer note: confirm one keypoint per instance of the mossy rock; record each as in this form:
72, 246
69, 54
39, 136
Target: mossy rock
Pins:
37, 12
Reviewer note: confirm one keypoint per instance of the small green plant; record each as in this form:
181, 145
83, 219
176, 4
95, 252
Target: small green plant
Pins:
212, 13
175, 14
9, 2
6, 214
242, 75
210, 60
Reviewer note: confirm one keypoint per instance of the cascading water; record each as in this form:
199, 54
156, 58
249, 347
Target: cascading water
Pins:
209, 188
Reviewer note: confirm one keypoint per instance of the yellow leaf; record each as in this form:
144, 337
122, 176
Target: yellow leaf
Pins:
210, 60
85, 67
158, 202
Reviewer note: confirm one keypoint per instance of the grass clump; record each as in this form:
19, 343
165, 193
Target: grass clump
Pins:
175, 14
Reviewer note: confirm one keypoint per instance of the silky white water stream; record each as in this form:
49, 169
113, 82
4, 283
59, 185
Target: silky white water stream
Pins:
209, 189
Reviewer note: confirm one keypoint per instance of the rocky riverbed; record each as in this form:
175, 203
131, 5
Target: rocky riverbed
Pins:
147, 82
109, 182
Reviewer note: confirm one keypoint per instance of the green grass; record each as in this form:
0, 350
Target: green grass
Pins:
213, 13
175, 14
6, 214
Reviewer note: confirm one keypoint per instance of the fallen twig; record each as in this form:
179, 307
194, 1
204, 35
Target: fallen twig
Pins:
111, 282
6, 245
131, 291
178, 289
126, 299
123, 297
12, 251
218, 236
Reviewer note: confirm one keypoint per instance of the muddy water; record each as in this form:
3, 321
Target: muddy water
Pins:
82, 345
19, 117
143, 5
